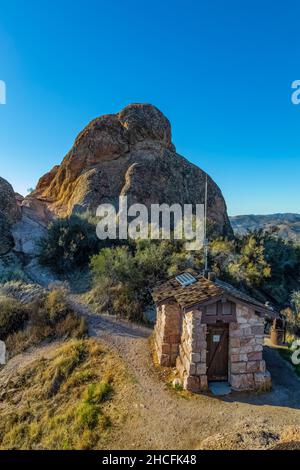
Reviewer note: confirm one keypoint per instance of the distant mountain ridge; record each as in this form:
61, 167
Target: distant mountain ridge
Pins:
288, 224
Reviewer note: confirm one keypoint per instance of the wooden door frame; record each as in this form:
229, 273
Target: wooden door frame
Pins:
224, 327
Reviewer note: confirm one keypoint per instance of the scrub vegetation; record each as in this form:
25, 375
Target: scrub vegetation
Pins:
48, 318
122, 273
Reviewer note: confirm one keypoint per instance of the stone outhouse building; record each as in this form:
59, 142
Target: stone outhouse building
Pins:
210, 331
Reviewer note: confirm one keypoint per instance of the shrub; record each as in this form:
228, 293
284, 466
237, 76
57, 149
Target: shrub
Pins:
295, 300
13, 316
55, 305
71, 326
124, 276
69, 244
260, 263
50, 317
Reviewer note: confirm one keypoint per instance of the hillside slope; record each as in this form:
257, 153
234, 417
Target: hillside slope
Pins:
288, 224
63, 396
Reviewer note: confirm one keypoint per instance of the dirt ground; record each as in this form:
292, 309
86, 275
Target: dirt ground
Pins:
165, 419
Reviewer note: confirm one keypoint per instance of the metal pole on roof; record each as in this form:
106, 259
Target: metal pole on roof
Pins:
205, 229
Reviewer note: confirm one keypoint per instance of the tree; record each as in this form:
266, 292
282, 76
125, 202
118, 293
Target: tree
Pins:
250, 265
69, 244
295, 300
124, 276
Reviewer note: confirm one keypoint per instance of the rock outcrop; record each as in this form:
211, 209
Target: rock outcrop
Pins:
9, 214
129, 153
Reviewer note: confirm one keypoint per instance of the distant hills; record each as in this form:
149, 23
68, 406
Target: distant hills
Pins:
288, 224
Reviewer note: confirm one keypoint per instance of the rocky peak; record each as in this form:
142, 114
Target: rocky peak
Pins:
129, 153
145, 123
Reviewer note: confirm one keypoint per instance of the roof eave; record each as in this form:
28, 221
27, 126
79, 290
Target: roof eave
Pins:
258, 308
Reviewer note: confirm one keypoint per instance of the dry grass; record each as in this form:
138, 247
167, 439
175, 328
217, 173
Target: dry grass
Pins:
289, 439
69, 401
255, 437
48, 318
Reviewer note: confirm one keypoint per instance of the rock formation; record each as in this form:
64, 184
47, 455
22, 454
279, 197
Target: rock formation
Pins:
21, 228
129, 153
9, 215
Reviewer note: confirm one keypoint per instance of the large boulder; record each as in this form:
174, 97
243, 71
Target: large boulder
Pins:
8, 203
6, 238
9, 215
129, 153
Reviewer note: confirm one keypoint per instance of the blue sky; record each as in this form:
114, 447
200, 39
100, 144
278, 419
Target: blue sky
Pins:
221, 71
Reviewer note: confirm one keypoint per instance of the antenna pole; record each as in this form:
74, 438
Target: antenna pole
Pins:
205, 229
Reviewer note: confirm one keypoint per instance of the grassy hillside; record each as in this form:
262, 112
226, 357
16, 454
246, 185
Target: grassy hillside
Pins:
69, 398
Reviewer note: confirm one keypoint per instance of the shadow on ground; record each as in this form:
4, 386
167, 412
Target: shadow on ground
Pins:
285, 384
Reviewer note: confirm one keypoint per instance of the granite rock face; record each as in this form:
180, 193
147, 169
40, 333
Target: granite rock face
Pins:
131, 154
6, 239
8, 203
9, 215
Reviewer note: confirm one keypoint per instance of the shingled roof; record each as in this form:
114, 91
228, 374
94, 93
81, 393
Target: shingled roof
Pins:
203, 291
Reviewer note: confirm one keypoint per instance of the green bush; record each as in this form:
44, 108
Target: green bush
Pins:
69, 244
260, 263
124, 276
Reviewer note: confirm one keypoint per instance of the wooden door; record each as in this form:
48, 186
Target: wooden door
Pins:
217, 352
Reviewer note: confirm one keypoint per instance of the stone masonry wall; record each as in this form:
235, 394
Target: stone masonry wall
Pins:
191, 362
167, 333
180, 339
247, 369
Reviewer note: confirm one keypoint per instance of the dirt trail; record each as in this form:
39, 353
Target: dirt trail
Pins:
166, 420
